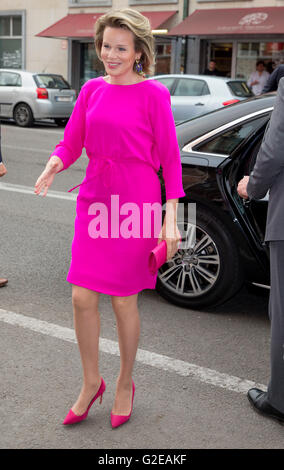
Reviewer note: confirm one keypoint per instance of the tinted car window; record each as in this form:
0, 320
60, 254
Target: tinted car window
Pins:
240, 89
51, 81
191, 87
229, 140
10, 79
168, 82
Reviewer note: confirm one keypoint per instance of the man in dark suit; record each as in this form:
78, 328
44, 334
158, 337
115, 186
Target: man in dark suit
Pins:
3, 171
268, 175
272, 83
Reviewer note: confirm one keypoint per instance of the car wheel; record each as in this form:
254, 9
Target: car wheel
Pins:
203, 273
61, 122
23, 115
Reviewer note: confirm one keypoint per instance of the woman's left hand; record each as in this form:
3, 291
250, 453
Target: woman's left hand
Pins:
171, 234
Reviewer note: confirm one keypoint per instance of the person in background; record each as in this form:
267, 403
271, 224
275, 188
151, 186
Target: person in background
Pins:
259, 78
3, 171
212, 69
272, 83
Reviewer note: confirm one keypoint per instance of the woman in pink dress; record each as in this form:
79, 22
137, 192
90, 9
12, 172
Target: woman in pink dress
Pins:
126, 125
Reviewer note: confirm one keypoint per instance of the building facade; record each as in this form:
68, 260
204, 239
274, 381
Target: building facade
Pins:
20, 48
57, 36
236, 34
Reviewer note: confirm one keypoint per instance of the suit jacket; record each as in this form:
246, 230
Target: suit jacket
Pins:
273, 81
268, 172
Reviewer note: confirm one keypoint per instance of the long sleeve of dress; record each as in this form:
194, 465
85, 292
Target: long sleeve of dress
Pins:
70, 147
166, 144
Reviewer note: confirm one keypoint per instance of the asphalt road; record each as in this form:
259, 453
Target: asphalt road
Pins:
192, 370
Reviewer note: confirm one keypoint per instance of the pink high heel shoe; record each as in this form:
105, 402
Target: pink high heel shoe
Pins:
117, 420
72, 418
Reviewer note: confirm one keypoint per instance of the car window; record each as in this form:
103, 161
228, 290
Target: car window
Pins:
168, 82
226, 142
51, 81
240, 89
10, 79
191, 87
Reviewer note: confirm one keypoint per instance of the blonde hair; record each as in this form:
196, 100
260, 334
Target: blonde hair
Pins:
139, 25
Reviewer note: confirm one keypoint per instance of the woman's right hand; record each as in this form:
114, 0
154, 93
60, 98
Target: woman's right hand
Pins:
3, 169
44, 181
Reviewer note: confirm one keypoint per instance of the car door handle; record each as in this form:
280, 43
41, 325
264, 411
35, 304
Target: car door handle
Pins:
199, 104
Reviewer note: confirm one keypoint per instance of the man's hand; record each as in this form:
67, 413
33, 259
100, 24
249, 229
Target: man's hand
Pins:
3, 169
242, 187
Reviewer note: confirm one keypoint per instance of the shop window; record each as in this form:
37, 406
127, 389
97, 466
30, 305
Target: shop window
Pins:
11, 41
248, 53
163, 58
4, 26
91, 66
221, 53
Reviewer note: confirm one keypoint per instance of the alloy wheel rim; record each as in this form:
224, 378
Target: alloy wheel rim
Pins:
22, 115
195, 268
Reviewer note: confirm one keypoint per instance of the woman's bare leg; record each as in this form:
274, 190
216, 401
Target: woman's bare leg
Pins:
87, 327
128, 328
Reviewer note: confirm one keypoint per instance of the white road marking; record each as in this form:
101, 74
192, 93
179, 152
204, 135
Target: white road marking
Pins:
159, 361
26, 149
17, 188
36, 150
32, 129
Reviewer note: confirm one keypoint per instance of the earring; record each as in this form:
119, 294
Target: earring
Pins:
138, 67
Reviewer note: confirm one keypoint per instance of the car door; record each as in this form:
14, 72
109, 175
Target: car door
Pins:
190, 98
245, 140
9, 83
255, 209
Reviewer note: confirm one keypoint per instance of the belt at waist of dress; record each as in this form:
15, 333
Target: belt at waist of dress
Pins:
108, 163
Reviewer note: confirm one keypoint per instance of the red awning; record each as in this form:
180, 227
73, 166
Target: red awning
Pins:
229, 21
82, 25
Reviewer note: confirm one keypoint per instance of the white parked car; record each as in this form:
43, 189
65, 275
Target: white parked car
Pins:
193, 95
26, 96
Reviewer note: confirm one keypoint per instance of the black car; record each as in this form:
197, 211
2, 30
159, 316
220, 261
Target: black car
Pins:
217, 150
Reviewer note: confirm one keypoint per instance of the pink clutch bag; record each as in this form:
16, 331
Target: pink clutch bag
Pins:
158, 257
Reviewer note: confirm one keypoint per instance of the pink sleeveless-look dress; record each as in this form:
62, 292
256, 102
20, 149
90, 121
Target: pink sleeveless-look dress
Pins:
128, 131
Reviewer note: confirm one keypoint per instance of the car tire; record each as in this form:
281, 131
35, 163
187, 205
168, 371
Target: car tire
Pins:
23, 115
61, 122
204, 285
